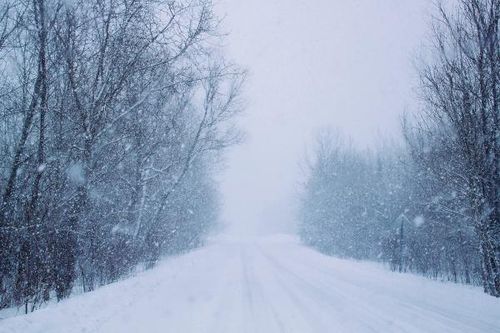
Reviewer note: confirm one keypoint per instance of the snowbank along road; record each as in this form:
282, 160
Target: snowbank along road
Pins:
269, 285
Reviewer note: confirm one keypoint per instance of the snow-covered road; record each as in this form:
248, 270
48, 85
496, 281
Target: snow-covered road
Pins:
268, 285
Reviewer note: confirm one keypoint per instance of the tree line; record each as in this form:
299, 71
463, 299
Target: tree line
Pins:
113, 115
431, 205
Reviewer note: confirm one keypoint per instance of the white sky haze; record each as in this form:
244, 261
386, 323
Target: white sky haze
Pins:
345, 64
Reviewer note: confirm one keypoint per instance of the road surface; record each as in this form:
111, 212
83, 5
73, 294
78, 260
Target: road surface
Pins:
272, 284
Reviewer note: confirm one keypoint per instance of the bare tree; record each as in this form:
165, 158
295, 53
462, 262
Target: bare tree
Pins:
114, 114
460, 86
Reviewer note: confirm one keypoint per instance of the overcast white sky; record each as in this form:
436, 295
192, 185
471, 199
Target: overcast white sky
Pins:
346, 64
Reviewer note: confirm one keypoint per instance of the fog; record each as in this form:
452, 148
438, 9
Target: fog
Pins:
348, 65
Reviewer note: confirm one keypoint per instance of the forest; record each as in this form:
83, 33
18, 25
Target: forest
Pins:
113, 118
429, 205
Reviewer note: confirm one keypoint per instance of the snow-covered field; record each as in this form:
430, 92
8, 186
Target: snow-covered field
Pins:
272, 284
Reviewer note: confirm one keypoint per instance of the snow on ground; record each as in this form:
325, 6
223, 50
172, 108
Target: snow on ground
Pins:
272, 284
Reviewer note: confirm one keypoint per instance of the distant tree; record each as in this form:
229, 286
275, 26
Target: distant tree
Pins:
392, 205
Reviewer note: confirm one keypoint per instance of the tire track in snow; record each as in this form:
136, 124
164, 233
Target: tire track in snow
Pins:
255, 286
415, 315
305, 292
415, 312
